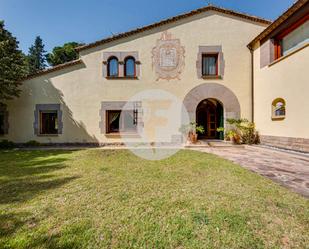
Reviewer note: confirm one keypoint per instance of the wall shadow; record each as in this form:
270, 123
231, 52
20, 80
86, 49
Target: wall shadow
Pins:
73, 131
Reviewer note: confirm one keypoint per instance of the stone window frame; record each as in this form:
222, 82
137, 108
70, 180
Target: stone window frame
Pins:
4, 111
116, 106
47, 107
275, 117
121, 56
204, 50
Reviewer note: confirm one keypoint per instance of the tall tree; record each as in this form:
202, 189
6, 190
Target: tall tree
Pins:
36, 56
63, 54
12, 65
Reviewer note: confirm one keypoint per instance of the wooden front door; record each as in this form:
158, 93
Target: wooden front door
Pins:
206, 115
211, 130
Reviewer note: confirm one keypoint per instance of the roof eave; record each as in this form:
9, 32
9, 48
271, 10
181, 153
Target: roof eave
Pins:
53, 69
280, 20
171, 20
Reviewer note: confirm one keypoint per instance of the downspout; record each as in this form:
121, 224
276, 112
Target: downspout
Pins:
252, 82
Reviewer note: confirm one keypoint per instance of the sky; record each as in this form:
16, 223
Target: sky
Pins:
61, 21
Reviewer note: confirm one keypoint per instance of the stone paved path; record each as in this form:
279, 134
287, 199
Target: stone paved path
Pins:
286, 168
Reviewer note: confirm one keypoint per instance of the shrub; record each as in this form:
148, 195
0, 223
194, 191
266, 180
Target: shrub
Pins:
33, 143
243, 132
6, 144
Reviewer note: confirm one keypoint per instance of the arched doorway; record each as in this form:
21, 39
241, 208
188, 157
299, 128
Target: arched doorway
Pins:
209, 114
230, 106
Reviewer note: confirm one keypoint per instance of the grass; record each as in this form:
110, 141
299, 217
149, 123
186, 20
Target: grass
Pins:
112, 199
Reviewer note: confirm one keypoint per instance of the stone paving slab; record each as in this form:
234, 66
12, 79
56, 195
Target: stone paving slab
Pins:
286, 168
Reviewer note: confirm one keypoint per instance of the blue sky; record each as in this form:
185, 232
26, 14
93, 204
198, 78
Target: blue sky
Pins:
60, 21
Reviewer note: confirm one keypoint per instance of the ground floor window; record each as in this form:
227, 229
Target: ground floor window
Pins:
48, 122
278, 109
3, 120
121, 121
48, 119
2, 130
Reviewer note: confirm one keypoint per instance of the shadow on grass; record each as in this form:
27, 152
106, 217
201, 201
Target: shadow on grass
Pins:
25, 174
71, 236
11, 222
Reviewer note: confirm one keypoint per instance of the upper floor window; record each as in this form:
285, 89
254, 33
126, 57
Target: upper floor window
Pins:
292, 38
112, 67
121, 65
278, 109
210, 65
129, 67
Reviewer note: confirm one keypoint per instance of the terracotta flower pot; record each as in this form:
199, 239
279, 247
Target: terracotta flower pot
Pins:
236, 139
193, 138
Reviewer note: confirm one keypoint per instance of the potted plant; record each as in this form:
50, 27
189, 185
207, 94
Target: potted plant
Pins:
221, 130
193, 131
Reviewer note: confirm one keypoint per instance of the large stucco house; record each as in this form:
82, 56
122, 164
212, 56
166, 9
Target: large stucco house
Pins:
220, 63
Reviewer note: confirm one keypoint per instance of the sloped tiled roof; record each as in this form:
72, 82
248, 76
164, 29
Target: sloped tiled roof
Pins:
55, 68
280, 20
149, 27
174, 19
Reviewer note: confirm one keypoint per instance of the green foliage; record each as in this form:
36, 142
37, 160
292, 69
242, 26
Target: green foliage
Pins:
33, 143
12, 65
6, 144
63, 54
220, 129
37, 56
243, 131
192, 128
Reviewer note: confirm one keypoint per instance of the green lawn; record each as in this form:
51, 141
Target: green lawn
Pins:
113, 199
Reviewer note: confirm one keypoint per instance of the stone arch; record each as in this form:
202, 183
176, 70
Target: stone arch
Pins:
216, 91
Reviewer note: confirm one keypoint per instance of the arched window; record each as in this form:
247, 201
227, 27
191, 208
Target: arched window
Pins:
129, 67
112, 67
278, 109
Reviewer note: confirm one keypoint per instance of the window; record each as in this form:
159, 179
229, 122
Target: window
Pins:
120, 65
2, 124
121, 121
292, 38
48, 122
129, 67
210, 64
278, 109
112, 67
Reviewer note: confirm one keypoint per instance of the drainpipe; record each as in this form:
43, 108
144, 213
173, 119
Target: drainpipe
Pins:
252, 82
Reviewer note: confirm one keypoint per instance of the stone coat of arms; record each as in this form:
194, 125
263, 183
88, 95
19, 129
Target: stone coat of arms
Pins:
168, 57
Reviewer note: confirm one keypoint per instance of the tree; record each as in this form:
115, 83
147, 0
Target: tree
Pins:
63, 54
37, 56
12, 65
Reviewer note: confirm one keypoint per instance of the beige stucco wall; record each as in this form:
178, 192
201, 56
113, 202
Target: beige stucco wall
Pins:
81, 88
287, 79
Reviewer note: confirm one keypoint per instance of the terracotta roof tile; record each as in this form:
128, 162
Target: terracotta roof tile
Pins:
174, 19
281, 19
55, 68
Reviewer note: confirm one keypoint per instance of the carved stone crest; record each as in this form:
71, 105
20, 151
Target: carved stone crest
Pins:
168, 57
